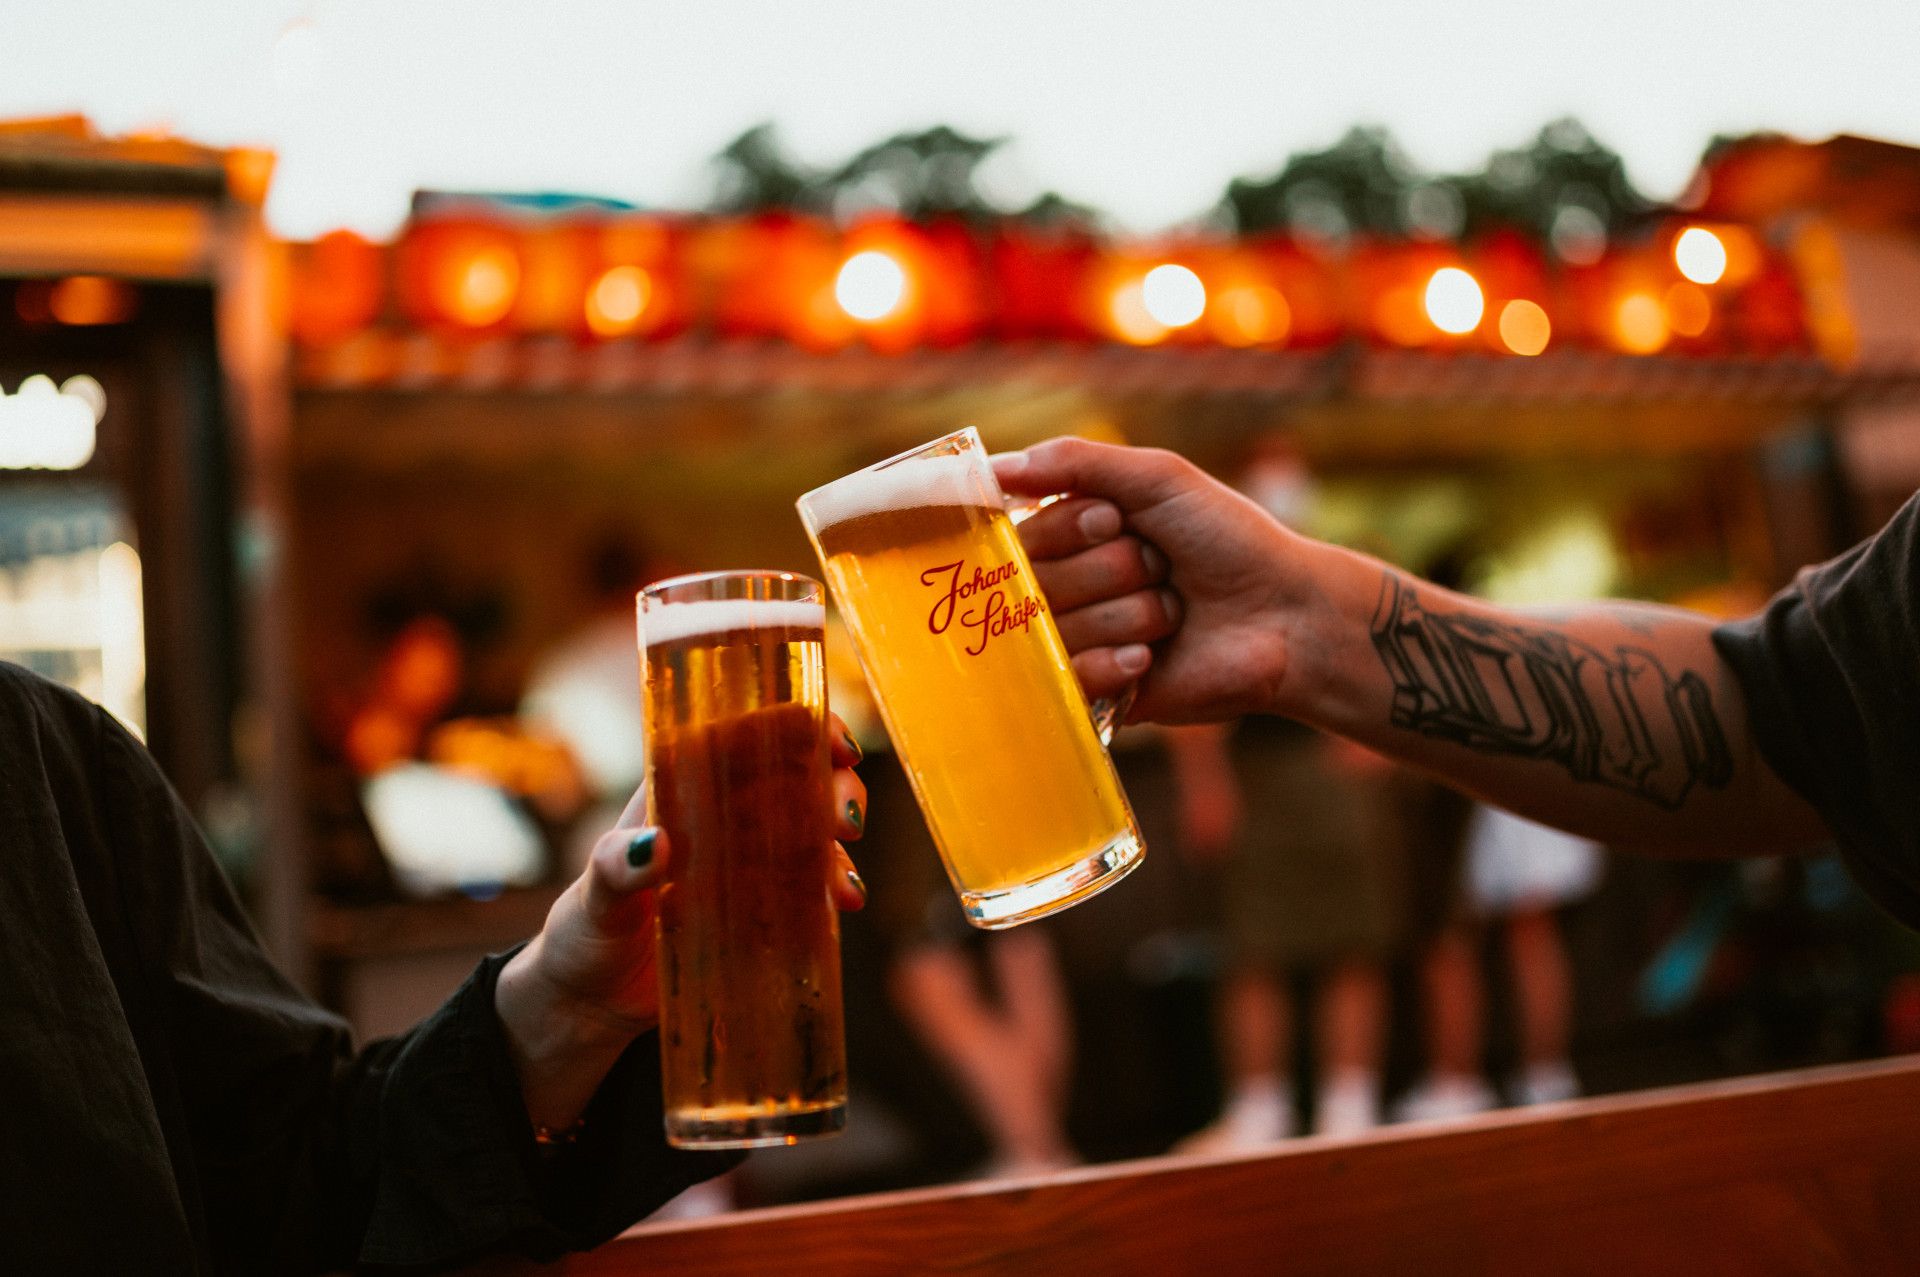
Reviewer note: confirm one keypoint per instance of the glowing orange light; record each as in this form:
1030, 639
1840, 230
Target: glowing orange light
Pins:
617, 300
871, 285
1251, 315
1689, 309
85, 300
1173, 295
1640, 324
1524, 327
1400, 315
477, 290
1132, 321
1454, 301
1701, 255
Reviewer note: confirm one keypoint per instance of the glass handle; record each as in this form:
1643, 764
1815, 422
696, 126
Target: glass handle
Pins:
1110, 712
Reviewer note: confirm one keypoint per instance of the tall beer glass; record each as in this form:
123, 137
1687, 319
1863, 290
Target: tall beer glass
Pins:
971, 677
751, 1033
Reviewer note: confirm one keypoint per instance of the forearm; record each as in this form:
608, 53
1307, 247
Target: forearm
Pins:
1618, 721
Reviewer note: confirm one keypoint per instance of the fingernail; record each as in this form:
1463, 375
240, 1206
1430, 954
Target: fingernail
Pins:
856, 817
1154, 561
1133, 658
1170, 600
1010, 462
640, 850
853, 746
858, 883
1100, 523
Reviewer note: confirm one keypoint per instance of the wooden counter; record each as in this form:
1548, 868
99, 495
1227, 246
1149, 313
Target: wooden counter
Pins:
1816, 1172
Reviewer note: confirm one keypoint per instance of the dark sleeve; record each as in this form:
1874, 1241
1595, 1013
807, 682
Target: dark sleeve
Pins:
1831, 674
416, 1150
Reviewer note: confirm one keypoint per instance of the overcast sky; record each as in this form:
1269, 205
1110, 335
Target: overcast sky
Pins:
1142, 109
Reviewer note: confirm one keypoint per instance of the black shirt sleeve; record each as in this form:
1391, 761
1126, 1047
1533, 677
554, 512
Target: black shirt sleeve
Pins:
416, 1150
1831, 673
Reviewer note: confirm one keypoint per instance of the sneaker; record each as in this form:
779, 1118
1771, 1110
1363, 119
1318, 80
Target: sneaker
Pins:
1445, 1099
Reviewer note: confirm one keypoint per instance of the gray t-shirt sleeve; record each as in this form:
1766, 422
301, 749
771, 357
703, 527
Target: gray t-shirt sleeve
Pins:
1831, 673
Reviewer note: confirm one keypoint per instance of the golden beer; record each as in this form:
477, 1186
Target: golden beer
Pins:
973, 682
751, 1028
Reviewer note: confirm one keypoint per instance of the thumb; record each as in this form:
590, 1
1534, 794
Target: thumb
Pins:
625, 864
1134, 479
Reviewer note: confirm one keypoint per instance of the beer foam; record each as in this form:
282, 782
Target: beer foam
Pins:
678, 621
904, 485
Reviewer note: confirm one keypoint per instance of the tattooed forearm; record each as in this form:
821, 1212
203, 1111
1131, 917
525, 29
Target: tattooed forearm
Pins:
1616, 718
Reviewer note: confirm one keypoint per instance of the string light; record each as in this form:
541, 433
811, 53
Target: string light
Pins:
1251, 315
617, 300
1132, 322
478, 290
1454, 301
1524, 327
1689, 309
1173, 295
1701, 255
871, 285
88, 300
1640, 324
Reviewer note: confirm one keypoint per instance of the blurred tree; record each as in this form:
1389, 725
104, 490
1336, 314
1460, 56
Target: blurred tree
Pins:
754, 174
1359, 184
1563, 188
1053, 209
919, 175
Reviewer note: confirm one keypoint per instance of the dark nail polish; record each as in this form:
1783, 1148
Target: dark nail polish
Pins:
859, 883
856, 817
853, 746
640, 850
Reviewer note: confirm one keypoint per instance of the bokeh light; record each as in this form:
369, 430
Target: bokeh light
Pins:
88, 300
617, 300
1524, 327
1173, 295
1701, 255
478, 289
1640, 324
1689, 309
1132, 321
871, 285
1454, 301
48, 427
1251, 315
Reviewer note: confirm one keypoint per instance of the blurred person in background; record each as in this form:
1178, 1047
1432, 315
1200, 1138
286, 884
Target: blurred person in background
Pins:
177, 1106
1305, 890
1639, 726
1518, 874
990, 1007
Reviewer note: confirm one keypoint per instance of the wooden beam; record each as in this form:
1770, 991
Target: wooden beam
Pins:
1801, 1173
157, 239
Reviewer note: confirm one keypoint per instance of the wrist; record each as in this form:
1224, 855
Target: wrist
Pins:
561, 1045
1332, 677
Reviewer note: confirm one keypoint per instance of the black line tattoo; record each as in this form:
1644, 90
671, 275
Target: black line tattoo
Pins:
1501, 688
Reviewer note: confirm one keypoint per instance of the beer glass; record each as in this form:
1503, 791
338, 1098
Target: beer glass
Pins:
973, 682
752, 1047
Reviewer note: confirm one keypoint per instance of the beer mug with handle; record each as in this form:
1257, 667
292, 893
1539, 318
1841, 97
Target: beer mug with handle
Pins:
1004, 754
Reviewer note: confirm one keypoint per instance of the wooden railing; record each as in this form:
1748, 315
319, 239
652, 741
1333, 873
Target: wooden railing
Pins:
1816, 1172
